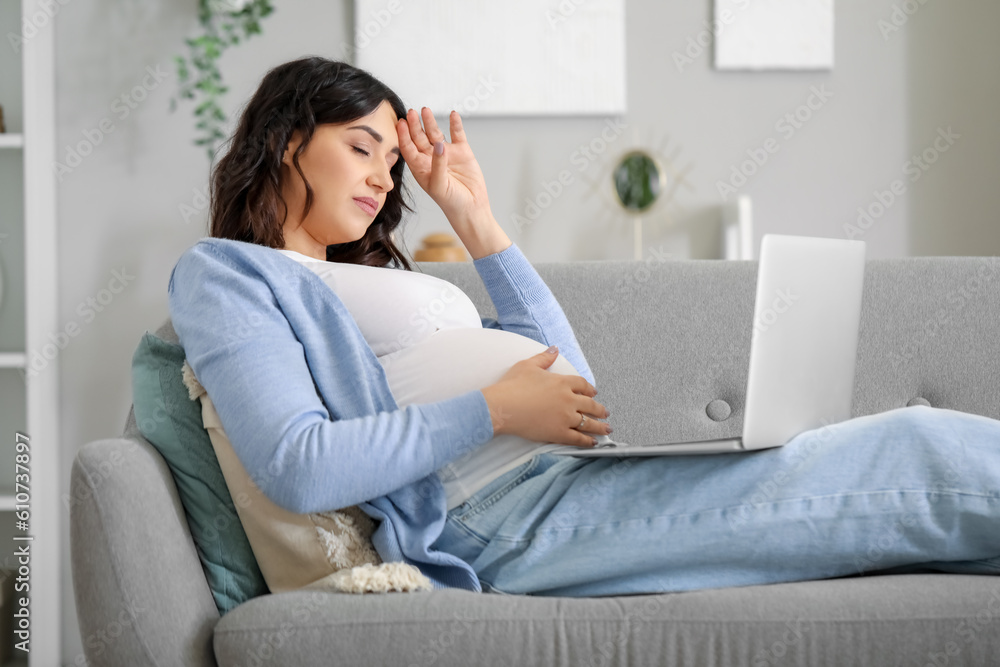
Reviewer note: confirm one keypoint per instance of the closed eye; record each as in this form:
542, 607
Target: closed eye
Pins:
360, 150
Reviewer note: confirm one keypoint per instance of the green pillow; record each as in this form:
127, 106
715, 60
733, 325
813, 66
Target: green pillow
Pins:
172, 423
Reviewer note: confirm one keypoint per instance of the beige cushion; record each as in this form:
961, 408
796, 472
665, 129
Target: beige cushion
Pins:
331, 550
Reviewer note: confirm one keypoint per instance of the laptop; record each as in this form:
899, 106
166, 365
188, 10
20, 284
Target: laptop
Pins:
802, 350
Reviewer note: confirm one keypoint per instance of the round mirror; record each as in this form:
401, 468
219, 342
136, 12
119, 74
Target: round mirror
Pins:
638, 181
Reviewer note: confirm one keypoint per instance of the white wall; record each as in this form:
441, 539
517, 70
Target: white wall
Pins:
119, 209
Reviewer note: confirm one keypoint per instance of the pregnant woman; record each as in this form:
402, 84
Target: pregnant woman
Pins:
338, 384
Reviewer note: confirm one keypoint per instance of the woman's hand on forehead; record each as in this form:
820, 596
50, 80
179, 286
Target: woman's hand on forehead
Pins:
453, 179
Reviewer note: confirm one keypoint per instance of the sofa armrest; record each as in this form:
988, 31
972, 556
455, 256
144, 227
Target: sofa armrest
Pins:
141, 593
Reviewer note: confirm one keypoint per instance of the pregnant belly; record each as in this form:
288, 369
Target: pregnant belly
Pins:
455, 361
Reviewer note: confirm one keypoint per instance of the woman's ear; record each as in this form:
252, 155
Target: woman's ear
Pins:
293, 144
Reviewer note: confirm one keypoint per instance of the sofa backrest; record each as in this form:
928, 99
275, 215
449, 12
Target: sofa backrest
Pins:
667, 339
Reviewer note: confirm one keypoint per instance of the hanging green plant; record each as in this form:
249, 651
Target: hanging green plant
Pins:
224, 23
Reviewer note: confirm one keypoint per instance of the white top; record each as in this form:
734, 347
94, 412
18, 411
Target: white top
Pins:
425, 332
394, 309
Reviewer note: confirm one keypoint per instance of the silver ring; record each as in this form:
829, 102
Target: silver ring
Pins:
583, 420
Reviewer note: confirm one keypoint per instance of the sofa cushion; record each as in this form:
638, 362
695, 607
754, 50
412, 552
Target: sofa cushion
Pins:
172, 423
293, 550
912, 619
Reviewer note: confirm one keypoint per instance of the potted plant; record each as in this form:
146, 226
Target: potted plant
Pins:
224, 23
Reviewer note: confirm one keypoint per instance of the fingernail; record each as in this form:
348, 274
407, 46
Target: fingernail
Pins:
439, 148
593, 441
552, 350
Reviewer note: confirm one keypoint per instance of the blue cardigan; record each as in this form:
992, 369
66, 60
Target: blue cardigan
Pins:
306, 403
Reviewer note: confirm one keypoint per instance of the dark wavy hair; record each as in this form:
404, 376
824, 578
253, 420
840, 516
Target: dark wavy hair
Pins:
246, 182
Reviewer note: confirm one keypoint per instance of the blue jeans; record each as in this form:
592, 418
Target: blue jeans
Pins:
911, 488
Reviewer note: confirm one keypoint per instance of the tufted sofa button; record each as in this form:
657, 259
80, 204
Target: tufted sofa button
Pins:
718, 410
918, 401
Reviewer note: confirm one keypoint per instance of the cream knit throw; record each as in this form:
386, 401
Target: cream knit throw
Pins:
340, 557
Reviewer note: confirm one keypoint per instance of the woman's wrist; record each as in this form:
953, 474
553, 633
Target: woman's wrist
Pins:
496, 412
482, 235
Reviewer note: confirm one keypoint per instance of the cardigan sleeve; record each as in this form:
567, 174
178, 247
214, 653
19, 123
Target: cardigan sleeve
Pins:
306, 454
526, 305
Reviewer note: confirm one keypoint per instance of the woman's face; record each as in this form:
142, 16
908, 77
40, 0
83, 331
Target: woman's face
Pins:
348, 168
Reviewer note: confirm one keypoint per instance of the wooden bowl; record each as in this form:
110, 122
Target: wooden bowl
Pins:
441, 247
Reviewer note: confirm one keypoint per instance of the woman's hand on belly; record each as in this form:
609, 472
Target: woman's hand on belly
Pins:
538, 397
531, 402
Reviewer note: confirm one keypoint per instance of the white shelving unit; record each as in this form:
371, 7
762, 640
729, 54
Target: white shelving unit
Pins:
11, 140
12, 359
35, 144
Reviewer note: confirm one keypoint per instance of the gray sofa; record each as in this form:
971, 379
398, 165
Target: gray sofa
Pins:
664, 339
